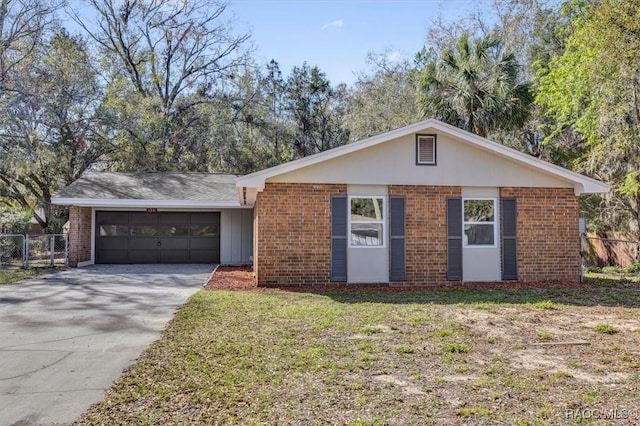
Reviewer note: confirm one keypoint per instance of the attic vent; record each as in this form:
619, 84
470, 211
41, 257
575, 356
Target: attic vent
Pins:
426, 149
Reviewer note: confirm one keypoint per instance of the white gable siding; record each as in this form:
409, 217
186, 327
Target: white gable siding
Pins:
394, 163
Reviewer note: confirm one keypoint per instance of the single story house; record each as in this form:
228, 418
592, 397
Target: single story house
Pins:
426, 203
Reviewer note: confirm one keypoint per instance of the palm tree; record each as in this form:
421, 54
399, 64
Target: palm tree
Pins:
474, 85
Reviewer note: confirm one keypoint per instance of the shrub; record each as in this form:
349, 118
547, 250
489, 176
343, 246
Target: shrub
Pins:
14, 221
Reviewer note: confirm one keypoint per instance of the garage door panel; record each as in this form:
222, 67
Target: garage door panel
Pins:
175, 256
174, 218
113, 218
113, 256
143, 256
204, 256
204, 218
204, 243
143, 243
114, 243
143, 218
174, 243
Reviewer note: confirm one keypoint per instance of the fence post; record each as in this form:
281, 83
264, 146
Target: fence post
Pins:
52, 250
582, 224
25, 252
65, 237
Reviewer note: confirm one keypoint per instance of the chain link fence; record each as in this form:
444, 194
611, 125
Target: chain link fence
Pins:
33, 250
12, 250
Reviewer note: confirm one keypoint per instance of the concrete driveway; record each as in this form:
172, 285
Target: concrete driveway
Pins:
65, 338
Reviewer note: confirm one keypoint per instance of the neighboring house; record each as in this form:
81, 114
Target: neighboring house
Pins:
427, 203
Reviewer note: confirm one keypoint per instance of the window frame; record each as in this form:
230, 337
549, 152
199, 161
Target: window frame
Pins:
465, 243
383, 221
419, 136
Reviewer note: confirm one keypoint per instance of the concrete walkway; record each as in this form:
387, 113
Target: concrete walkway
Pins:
65, 338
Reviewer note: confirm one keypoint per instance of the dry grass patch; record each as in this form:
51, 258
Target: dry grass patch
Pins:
12, 275
511, 356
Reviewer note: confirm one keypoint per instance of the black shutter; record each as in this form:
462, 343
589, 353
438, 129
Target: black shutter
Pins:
397, 270
509, 243
338, 238
454, 239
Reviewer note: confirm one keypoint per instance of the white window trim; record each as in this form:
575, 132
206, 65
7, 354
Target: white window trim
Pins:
383, 221
494, 223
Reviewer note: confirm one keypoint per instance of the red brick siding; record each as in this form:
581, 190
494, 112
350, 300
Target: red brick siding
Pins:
547, 234
79, 235
426, 231
293, 233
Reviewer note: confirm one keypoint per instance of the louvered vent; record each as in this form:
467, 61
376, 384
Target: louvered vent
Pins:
426, 149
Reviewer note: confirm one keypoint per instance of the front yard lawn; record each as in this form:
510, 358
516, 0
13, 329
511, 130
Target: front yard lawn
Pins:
17, 274
509, 356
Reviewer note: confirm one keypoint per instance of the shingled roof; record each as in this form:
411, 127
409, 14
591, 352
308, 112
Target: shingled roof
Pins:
150, 186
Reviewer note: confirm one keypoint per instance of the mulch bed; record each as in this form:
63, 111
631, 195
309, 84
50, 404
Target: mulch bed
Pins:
232, 278
242, 278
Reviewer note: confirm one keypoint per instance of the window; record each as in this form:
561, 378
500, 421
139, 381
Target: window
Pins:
114, 231
366, 221
479, 222
426, 150
204, 230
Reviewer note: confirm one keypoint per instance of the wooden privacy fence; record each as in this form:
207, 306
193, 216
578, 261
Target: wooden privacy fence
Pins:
610, 249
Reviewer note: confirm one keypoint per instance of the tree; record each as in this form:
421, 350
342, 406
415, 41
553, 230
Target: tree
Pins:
593, 91
474, 85
164, 60
23, 27
48, 128
383, 100
316, 110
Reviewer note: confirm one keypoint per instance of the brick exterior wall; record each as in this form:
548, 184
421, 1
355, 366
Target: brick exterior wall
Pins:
79, 235
548, 242
292, 231
293, 234
425, 231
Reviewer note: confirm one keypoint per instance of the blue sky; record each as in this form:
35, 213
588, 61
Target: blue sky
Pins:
336, 35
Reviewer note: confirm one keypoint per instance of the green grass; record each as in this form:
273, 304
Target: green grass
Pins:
605, 329
456, 348
545, 304
12, 275
360, 358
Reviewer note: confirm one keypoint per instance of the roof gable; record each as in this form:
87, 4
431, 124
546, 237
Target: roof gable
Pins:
580, 183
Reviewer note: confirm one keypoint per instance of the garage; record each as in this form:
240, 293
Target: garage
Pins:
157, 237
157, 217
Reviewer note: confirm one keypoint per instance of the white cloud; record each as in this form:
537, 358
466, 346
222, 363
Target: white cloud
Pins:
339, 23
